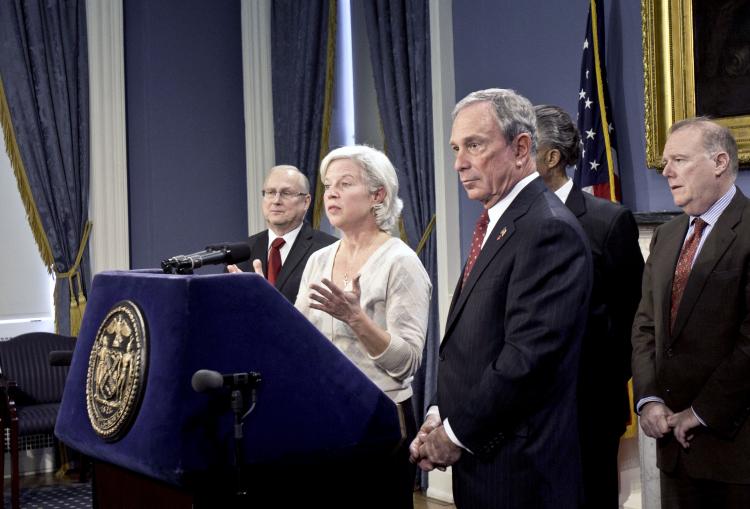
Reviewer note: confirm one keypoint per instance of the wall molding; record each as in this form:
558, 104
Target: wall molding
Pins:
109, 246
447, 227
260, 153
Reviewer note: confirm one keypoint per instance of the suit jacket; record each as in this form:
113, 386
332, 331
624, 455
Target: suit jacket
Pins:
705, 361
508, 363
307, 242
615, 294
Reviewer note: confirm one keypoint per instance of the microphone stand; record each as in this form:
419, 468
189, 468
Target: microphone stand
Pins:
238, 407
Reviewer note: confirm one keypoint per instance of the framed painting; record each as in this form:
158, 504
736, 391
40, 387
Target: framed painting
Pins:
696, 59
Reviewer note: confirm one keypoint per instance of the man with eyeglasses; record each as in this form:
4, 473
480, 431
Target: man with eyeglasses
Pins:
282, 250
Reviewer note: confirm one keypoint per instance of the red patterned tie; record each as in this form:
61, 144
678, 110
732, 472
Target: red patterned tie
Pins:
684, 264
476, 243
274, 259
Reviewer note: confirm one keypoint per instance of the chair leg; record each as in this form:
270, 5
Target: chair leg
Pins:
15, 485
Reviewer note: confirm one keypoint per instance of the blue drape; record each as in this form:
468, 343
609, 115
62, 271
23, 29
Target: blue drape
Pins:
44, 69
399, 37
302, 64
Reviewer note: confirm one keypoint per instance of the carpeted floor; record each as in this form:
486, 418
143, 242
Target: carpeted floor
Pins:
67, 496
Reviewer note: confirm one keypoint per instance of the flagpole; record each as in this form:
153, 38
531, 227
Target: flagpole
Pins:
602, 108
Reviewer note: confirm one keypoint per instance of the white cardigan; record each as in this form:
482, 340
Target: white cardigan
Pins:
396, 294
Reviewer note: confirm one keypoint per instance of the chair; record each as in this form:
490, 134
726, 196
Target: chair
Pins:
31, 393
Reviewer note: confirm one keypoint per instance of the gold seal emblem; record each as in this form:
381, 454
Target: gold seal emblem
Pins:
117, 371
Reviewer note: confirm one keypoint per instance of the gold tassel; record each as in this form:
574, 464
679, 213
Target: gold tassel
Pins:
14, 154
65, 463
327, 109
75, 285
631, 430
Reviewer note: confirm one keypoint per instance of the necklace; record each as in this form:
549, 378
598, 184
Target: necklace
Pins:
352, 262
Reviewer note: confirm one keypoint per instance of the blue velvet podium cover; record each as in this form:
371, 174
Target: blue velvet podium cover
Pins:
313, 403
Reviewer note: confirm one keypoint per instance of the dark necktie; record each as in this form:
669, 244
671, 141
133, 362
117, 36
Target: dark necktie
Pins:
684, 264
476, 244
274, 259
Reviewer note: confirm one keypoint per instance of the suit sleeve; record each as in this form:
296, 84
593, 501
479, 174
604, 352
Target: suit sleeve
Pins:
547, 296
644, 337
624, 269
724, 401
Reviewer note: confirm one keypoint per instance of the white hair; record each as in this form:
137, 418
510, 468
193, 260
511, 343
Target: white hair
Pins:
379, 173
513, 112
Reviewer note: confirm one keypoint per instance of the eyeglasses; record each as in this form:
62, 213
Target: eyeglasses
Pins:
285, 194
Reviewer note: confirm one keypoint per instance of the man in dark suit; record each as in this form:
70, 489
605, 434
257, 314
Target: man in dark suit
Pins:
286, 198
603, 401
691, 335
506, 414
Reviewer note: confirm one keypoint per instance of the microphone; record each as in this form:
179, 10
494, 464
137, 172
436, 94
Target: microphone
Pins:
215, 254
207, 379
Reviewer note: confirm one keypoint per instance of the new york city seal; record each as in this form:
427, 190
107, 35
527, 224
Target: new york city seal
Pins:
117, 371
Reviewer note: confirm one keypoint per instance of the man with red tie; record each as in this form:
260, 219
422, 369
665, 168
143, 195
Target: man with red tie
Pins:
283, 249
691, 335
505, 414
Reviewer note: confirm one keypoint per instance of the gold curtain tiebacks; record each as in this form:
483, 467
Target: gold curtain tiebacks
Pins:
75, 285
425, 235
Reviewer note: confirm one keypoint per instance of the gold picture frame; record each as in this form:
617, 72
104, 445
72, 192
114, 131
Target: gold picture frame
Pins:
669, 77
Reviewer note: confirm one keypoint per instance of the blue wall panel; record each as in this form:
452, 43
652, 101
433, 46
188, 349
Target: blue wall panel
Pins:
185, 126
535, 48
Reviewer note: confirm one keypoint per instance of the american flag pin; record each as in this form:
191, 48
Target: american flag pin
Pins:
502, 233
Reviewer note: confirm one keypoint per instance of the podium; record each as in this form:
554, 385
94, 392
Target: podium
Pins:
313, 405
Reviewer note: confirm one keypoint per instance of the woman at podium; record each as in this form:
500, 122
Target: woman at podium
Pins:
369, 293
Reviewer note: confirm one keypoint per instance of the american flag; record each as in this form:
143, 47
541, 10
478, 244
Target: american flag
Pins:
596, 171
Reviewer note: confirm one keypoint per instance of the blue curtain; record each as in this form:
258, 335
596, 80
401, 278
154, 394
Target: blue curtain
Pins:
302, 55
399, 35
44, 72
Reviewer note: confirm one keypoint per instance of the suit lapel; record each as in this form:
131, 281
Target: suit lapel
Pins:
501, 233
719, 239
296, 254
259, 251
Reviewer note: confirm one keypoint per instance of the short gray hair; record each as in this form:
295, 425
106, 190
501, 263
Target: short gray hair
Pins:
513, 112
556, 130
379, 173
716, 138
288, 167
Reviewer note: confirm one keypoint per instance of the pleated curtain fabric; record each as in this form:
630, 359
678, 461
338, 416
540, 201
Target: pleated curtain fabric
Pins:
398, 32
44, 72
302, 57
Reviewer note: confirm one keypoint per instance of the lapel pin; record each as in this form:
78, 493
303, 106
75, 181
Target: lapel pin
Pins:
502, 233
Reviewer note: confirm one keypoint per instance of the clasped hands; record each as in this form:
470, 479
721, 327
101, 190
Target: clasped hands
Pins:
657, 420
432, 448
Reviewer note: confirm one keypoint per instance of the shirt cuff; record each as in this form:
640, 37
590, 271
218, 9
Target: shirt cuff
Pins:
647, 399
453, 437
698, 417
433, 410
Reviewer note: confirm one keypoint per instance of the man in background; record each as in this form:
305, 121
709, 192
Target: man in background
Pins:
281, 251
603, 401
691, 335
